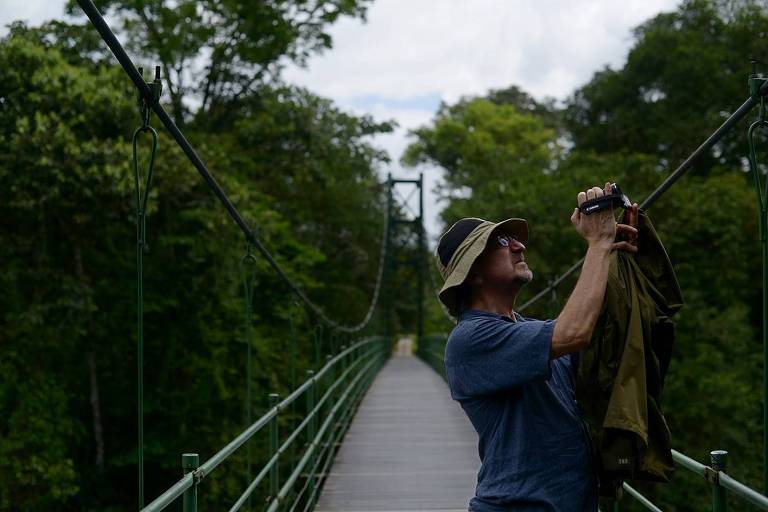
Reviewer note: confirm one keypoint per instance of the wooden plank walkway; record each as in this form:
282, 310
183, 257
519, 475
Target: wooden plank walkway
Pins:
409, 447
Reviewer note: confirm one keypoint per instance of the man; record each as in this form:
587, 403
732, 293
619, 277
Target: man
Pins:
514, 376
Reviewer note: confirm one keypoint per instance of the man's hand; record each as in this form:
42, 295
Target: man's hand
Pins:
599, 229
630, 230
576, 322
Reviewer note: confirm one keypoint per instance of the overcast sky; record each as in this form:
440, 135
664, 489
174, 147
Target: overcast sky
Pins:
411, 54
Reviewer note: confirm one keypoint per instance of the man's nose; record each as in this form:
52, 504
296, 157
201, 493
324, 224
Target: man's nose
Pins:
517, 245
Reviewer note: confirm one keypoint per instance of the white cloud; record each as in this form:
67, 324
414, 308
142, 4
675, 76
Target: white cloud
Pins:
413, 53
415, 48
32, 12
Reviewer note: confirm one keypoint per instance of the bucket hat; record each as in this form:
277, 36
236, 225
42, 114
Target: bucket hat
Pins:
460, 246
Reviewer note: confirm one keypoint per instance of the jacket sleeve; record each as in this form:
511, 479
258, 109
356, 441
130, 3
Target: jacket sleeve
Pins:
495, 355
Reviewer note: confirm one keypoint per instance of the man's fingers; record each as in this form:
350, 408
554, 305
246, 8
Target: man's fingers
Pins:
607, 188
594, 192
626, 229
575, 216
624, 246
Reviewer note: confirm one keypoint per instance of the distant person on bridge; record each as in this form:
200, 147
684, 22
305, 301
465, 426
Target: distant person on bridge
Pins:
514, 376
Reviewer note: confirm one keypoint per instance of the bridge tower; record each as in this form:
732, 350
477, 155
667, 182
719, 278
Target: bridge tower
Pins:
406, 248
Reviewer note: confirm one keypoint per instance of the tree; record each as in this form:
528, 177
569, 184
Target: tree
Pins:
234, 47
67, 412
684, 75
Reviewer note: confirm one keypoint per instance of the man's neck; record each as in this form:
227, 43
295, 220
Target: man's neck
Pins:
503, 306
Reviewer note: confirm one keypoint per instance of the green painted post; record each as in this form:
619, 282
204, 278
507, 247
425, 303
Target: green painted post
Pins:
344, 362
719, 459
389, 263
332, 402
311, 435
342, 369
274, 475
331, 379
294, 344
420, 264
189, 463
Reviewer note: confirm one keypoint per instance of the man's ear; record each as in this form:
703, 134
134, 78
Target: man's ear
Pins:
474, 278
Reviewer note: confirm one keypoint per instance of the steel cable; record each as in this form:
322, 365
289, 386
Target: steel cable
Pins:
684, 167
130, 69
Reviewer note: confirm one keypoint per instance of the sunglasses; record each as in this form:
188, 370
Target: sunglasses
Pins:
506, 240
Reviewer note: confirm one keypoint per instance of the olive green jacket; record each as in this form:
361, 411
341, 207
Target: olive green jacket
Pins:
621, 374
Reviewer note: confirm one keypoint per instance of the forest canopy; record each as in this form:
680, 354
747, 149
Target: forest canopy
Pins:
306, 174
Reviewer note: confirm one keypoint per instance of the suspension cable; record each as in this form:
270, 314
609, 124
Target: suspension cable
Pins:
122, 57
141, 241
684, 167
761, 124
248, 270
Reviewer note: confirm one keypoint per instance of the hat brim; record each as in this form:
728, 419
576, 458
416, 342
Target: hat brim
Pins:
469, 251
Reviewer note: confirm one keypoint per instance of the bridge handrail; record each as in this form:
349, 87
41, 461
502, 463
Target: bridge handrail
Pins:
721, 481
256, 481
314, 444
190, 479
742, 491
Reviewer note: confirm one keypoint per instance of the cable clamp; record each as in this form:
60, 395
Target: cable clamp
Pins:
712, 475
198, 475
156, 90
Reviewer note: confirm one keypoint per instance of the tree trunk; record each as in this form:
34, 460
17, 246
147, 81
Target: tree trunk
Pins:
98, 434
98, 431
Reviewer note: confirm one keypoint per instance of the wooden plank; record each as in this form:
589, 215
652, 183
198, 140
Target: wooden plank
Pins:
410, 447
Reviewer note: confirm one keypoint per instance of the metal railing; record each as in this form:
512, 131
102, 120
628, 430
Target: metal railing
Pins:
331, 397
431, 349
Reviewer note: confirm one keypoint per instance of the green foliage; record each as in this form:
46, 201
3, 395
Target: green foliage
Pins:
238, 46
67, 350
684, 75
302, 173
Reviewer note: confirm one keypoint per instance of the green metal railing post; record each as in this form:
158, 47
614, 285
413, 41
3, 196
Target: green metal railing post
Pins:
311, 430
331, 375
248, 269
719, 459
274, 483
388, 263
332, 402
420, 268
190, 462
342, 370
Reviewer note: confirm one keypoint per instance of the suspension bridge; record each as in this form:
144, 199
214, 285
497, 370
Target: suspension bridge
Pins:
369, 429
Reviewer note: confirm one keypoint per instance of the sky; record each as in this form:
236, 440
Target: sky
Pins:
409, 55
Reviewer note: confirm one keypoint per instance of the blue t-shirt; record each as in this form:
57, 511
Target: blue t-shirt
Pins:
533, 443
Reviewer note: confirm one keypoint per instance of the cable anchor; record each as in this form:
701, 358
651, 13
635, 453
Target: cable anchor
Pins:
146, 103
145, 106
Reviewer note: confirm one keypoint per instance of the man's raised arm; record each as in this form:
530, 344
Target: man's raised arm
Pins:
577, 320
